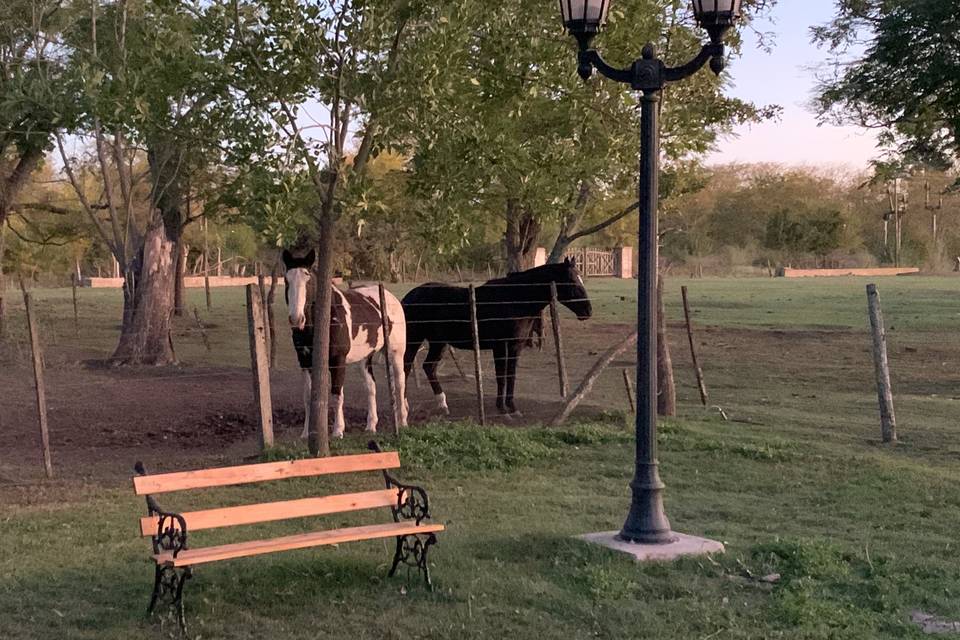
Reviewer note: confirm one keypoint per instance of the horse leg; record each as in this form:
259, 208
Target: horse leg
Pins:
500, 364
338, 371
409, 357
513, 356
306, 402
371, 385
400, 385
430, 365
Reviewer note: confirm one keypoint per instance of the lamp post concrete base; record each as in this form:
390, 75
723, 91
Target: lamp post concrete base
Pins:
683, 545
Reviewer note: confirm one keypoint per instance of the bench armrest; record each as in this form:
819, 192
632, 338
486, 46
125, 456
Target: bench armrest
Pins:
171, 527
171, 533
412, 501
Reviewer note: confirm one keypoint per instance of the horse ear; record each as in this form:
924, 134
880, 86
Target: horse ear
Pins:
567, 261
310, 258
288, 259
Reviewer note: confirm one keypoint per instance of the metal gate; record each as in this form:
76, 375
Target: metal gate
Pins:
594, 263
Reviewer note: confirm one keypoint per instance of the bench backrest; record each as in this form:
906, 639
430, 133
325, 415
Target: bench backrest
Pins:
270, 511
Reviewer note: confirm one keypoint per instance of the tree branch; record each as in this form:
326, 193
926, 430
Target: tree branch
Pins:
606, 223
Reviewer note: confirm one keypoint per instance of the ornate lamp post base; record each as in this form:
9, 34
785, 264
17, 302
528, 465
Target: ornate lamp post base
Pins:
682, 545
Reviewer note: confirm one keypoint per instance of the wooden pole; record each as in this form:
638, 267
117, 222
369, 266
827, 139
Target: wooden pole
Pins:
271, 318
391, 383
478, 372
591, 377
3, 284
260, 365
206, 263
262, 285
631, 392
203, 329
558, 341
666, 387
76, 312
888, 419
456, 361
38, 383
693, 349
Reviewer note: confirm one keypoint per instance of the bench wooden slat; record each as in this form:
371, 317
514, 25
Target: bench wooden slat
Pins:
225, 476
192, 557
282, 510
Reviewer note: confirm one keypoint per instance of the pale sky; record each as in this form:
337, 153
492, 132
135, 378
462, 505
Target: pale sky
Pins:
785, 77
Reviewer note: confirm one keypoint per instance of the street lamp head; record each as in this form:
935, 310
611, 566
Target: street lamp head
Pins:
716, 16
584, 18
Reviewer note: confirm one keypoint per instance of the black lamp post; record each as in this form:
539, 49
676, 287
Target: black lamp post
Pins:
647, 522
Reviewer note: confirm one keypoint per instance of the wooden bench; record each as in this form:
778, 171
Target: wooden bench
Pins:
169, 531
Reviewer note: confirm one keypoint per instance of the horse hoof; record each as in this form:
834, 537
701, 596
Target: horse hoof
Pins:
516, 413
337, 435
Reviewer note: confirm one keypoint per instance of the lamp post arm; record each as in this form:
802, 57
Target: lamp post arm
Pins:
712, 53
648, 73
589, 59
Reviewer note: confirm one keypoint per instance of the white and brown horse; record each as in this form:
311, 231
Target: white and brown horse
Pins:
356, 334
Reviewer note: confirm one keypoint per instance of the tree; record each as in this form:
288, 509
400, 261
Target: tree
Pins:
514, 135
903, 82
32, 99
146, 80
345, 55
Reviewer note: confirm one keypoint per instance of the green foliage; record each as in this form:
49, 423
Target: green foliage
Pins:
515, 124
33, 99
896, 69
818, 233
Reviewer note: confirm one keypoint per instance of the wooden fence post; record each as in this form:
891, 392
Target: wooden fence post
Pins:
666, 387
271, 319
391, 383
476, 355
262, 285
590, 378
693, 349
38, 383
260, 365
558, 341
76, 312
202, 329
888, 419
631, 392
206, 263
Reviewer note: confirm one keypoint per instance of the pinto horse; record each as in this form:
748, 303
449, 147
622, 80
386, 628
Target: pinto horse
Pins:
508, 315
356, 334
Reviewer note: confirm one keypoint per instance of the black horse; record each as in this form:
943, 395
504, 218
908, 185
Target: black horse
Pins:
508, 314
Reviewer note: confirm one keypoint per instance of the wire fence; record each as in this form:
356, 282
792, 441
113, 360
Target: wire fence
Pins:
102, 414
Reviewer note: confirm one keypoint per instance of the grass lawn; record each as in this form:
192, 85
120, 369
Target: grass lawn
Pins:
860, 534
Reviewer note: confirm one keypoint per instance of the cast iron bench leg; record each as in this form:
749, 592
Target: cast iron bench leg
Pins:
412, 551
168, 584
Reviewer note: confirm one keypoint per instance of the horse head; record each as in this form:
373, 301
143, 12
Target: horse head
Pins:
571, 292
298, 276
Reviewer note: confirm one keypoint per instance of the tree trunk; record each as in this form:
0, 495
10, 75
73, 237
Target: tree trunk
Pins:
667, 391
318, 439
570, 223
520, 239
149, 285
3, 283
146, 336
10, 185
181, 270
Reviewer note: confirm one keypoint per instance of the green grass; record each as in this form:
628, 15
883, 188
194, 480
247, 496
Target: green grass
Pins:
860, 534
857, 545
